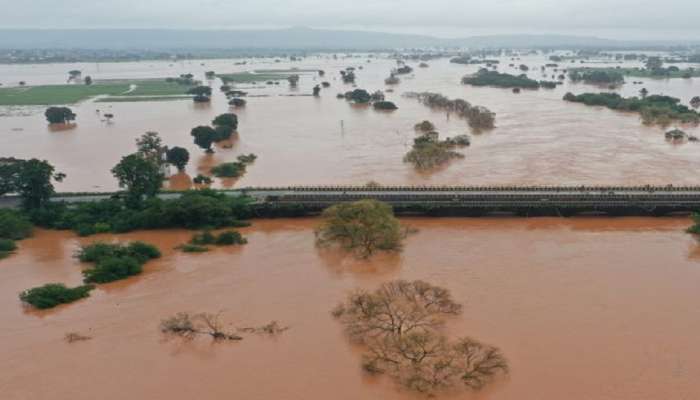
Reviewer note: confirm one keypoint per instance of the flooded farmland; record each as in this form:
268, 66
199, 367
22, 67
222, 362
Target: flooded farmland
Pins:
538, 139
583, 308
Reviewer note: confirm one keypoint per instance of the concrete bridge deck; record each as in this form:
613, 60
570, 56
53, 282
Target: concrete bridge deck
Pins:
460, 200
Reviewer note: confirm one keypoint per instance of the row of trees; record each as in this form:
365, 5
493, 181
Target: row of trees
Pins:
654, 109
478, 117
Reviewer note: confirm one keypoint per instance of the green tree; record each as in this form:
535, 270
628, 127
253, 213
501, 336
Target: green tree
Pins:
360, 96
140, 177
179, 157
362, 227
201, 93
31, 179
88, 80
204, 136
59, 115
227, 119
150, 146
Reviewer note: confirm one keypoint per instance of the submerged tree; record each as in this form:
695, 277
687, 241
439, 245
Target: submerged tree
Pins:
204, 137
189, 326
59, 115
399, 324
178, 156
362, 227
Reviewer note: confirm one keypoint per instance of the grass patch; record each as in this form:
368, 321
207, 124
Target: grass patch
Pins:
57, 94
53, 294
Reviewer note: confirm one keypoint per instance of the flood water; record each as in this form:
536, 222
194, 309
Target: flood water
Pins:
583, 309
539, 138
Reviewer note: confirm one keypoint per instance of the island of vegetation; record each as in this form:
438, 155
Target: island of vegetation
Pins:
478, 117
498, 79
654, 109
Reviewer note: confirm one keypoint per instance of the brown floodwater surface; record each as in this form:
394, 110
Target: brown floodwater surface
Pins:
538, 139
583, 309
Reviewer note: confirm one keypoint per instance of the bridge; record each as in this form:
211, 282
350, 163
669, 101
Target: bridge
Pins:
458, 200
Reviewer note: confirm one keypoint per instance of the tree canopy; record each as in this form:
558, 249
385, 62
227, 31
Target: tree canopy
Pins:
178, 156
399, 325
140, 176
362, 227
59, 115
31, 179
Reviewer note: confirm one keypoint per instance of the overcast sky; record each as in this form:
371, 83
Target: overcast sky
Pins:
644, 19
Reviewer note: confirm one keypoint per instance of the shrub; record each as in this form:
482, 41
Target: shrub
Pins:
193, 248
14, 225
99, 251
229, 170
7, 245
112, 269
230, 238
53, 294
385, 105
194, 209
203, 238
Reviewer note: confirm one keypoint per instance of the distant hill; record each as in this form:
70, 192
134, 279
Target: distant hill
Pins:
292, 38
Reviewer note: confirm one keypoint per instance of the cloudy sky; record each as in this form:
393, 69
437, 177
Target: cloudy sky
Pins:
643, 19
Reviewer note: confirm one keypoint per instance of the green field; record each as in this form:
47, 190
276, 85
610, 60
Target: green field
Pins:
71, 94
248, 77
644, 73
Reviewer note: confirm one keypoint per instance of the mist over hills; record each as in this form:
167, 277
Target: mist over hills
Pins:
291, 38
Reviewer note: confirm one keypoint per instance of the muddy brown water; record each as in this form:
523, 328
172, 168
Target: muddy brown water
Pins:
539, 139
583, 308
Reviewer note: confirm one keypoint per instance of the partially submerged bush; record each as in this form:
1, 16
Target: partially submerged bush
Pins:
53, 294
14, 225
98, 251
385, 105
362, 227
189, 326
425, 126
193, 248
229, 170
112, 269
429, 152
115, 261
230, 238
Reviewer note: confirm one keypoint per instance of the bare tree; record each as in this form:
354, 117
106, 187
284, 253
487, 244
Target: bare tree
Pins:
399, 324
186, 326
